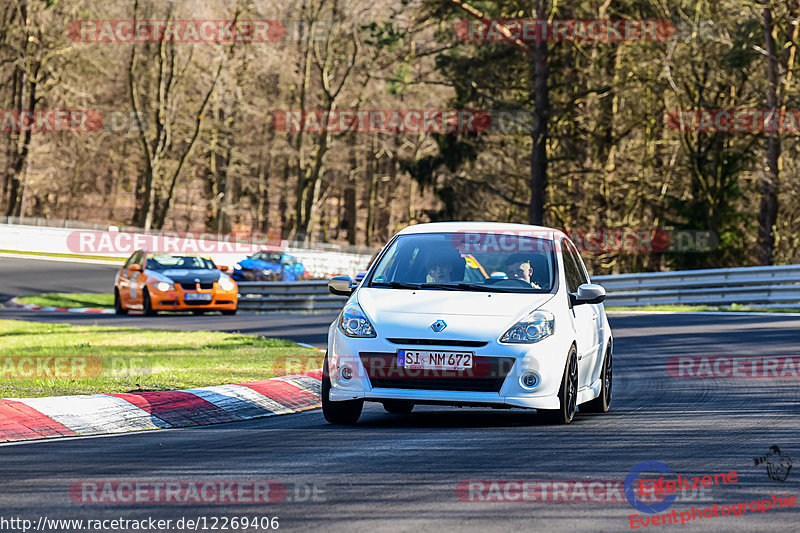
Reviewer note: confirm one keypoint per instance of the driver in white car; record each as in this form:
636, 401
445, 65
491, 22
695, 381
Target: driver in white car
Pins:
444, 266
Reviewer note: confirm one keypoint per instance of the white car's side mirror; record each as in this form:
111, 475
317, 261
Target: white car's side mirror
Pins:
588, 293
341, 286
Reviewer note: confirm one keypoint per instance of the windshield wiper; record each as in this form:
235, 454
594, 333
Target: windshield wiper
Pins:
394, 284
463, 287
445, 286
484, 288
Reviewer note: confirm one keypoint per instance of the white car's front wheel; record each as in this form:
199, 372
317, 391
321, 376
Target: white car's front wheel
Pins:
346, 412
567, 394
603, 400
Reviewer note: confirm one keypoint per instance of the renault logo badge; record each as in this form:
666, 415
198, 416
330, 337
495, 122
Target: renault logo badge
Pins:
438, 326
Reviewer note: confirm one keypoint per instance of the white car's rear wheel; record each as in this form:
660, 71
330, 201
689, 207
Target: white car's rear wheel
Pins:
346, 412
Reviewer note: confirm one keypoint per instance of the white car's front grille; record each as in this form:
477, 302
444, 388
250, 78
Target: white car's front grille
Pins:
438, 342
487, 374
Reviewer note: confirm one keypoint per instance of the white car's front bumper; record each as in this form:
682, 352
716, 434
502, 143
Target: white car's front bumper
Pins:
547, 358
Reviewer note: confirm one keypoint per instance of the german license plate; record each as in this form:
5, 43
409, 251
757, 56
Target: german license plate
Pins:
424, 359
198, 297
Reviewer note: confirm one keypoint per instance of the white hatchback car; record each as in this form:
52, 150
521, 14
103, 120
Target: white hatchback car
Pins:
470, 314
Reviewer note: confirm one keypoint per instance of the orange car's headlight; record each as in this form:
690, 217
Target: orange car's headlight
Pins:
163, 286
227, 284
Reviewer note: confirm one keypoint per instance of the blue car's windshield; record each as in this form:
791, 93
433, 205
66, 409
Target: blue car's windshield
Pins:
483, 261
269, 257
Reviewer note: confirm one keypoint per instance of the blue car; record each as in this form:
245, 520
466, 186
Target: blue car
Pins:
269, 266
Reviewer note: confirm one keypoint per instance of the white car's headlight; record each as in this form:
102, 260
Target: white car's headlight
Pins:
226, 284
354, 323
163, 286
533, 328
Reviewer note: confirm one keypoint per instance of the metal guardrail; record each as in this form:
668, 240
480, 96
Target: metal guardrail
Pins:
288, 296
777, 286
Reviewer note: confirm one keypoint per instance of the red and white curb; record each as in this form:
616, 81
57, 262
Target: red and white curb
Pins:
13, 302
100, 414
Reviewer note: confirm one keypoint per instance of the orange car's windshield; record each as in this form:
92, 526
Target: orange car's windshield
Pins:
169, 262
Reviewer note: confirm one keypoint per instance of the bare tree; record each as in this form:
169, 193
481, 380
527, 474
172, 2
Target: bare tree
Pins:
162, 74
334, 61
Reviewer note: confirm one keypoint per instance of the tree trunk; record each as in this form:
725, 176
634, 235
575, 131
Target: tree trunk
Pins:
264, 172
539, 136
313, 184
350, 211
372, 170
262, 216
25, 80
768, 210
286, 222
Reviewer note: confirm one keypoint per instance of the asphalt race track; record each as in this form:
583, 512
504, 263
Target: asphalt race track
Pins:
21, 277
400, 473
310, 329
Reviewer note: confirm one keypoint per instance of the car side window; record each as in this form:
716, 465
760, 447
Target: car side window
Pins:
579, 264
571, 274
136, 259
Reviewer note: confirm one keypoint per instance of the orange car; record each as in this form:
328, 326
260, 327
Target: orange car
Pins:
164, 282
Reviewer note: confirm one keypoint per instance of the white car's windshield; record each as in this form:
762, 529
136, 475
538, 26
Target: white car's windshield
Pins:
461, 261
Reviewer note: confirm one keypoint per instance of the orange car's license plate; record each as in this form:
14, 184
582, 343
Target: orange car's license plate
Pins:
198, 297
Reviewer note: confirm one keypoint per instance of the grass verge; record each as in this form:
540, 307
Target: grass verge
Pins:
735, 308
57, 359
54, 299
67, 256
